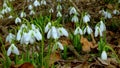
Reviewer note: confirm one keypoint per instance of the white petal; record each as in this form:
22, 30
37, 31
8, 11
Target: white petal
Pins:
47, 27
102, 26
104, 55
38, 35
9, 51
89, 30
76, 31
18, 35
54, 32
49, 34
36, 3
60, 45
15, 49
86, 18
96, 31
30, 7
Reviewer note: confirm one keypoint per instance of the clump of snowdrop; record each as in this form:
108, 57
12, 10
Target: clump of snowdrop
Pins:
116, 12
12, 49
78, 30
17, 20
99, 29
104, 55
106, 14
54, 32
10, 38
74, 17
6, 8
36, 3
88, 30
86, 18
29, 36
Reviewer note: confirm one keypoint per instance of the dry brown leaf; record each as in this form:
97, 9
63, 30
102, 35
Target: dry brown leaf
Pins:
27, 65
86, 45
54, 57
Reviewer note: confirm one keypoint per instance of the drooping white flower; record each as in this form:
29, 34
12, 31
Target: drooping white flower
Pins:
30, 7
54, 32
59, 14
43, 2
17, 20
86, 18
78, 31
88, 30
74, 19
116, 12
48, 26
32, 36
59, 7
36, 3
102, 26
51, 10
25, 38
8, 9
62, 32
60, 45
32, 12
10, 37
5, 5
98, 31
22, 14
37, 34
106, 14
72, 11
12, 49
104, 55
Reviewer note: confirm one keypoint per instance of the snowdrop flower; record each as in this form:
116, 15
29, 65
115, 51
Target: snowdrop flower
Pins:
19, 35
1, 16
10, 37
8, 9
12, 49
59, 14
98, 31
32, 38
102, 26
53, 33
60, 45
116, 12
23, 14
72, 11
59, 7
62, 32
86, 18
30, 7
104, 55
74, 19
3, 11
32, 12
33, 26
51, 10
25, 38
43, 2
10, 17
88, 30
5, 4
48, 26
36, 3
37, 34
106, 14
17, 20
78, 31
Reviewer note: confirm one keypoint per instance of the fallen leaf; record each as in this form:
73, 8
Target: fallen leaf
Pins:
86, 47
27, 65
54, 57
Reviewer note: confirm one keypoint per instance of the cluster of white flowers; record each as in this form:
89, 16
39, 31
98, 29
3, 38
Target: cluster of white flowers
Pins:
100, 29
54, 32
26, 35
106, 14
116, 12
74, 12
6, 8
